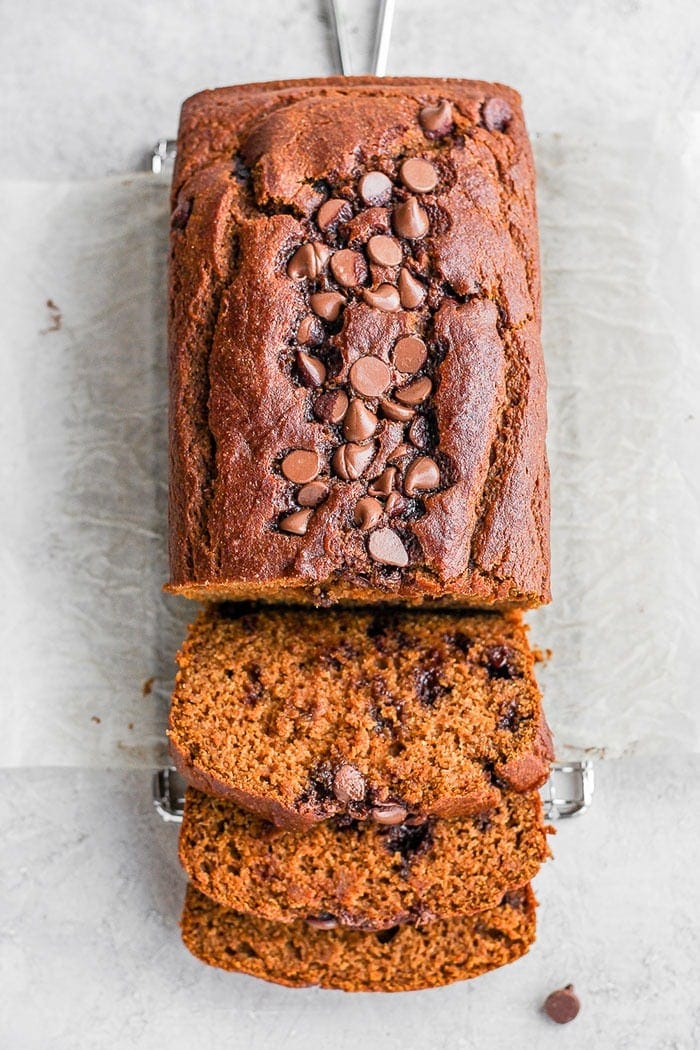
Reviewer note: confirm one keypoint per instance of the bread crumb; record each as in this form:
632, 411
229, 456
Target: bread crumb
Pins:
147, 687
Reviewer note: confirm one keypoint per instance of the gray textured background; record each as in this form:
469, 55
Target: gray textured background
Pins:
89, 886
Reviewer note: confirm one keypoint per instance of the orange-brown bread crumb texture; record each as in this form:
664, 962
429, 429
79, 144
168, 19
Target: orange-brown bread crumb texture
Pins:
300, 715
358, 873
405, 958
423, 474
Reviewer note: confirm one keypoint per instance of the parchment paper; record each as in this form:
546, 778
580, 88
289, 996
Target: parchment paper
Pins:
86, 631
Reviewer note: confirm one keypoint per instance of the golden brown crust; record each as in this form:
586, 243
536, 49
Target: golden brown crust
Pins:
404, 959
361, 874
436, 711
254, 163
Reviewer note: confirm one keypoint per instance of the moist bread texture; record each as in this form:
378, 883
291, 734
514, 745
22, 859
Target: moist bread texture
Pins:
357, 387
300, 715
359, 873
404, 958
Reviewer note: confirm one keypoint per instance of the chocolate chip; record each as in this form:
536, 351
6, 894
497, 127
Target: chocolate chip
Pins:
332, 212
498, 659
396, 413
395, 505
411, 291
418, 432
349, 784
296, 523
386, 936
496, 114
385, 297
423, 474
408, 839
327, 305
313, 493
389, 813
399, 453
386, 547
509, 718
181, 214
350, 461
418, 176
301, 466
349, 268
384, 251
368, 511
563, 1005
370, 376
410, 220
429, 688
313, 371
310, 331
436, 121
384, 484
308, 260
375, 188
360, 423
415, 392
323, 921
331, 406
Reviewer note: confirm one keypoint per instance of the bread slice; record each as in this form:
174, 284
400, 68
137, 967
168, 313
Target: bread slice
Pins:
300, 715
402, 959
359, 873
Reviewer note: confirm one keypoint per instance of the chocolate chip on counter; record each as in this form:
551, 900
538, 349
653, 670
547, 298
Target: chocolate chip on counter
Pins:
349, 784
351, 460
389, 813
368, 511
418, 432
385, 297
415, 392
399, 453
563, 1005
410, 220
301, 466
327, 304
332, 212
496, 114
313, 493
436, 121
423, 474
375, 188
386, 547
310, 331
308, 260
418, 175
313, 371
349, 268
395, 505
396, 413
384, 484
370, 376
296, 523
360, 422
411, 291
331, 406
410, 354
181, 214
322, 921
384, 251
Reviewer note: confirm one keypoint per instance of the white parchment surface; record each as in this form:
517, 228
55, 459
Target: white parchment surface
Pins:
87, 636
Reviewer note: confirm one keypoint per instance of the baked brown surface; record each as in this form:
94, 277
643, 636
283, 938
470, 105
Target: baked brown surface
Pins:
405, 958
314, 457
301, 714
358, 873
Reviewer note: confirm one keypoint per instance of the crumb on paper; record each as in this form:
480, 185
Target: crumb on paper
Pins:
130, 725
96, 720
147, 687
542, 656
55, 318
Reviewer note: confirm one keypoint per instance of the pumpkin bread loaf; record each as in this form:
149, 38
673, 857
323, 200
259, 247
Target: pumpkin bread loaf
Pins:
400, 959
300, 715
357, 387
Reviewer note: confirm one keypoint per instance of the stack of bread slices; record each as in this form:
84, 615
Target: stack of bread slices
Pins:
359, 500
